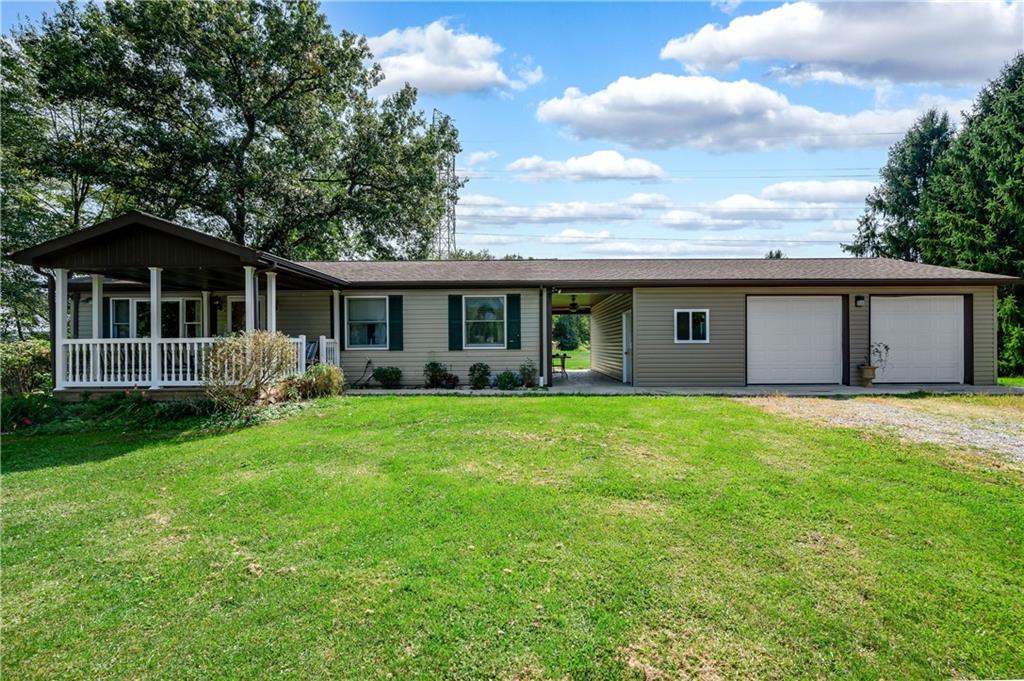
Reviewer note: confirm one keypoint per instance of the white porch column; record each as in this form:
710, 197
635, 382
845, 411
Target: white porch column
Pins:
97, 324
271, 302
336, 302
250, 298
206, 314
97, 306
155, 294
60, 323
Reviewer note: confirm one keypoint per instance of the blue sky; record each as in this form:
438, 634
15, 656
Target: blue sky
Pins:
687, 129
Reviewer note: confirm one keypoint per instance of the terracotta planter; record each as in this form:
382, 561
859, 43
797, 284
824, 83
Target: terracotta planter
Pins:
867, 374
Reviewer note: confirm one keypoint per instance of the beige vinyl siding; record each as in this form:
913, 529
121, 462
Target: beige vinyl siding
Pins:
304, 313
658, 361
425, 337
606, 334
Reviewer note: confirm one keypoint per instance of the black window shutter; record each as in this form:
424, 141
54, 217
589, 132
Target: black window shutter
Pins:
454, 322
105, 302
515, 326
395, 331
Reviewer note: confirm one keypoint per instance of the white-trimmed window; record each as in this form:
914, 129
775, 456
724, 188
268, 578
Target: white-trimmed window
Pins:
483, 321
366, 322
692, 326
179, 317
236, 313
121, 318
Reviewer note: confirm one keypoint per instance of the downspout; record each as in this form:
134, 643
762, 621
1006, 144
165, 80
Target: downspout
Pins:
51, 287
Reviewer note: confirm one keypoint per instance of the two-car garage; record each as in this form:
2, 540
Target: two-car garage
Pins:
805, 339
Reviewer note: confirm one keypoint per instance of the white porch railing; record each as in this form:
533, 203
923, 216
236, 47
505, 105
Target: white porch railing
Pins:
181, 362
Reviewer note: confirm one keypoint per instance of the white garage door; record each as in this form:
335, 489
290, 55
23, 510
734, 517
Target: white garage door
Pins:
925, 335
794, 339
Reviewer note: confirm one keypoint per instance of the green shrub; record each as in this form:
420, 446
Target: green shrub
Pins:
322, 380
449, 380
433, 373
24, 366
127, 410
528, 374
507, 380
479, 376
388, 377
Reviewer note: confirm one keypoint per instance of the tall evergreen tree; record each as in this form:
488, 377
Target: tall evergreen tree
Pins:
890, 226
973, 209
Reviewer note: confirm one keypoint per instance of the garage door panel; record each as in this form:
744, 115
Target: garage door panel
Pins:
925, 335
794, 339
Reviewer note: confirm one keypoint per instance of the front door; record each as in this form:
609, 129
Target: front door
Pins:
627, 347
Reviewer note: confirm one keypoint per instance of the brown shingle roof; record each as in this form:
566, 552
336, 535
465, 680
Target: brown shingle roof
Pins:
621, 272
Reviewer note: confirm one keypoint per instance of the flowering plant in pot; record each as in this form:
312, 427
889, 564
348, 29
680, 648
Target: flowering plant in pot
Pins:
878, 357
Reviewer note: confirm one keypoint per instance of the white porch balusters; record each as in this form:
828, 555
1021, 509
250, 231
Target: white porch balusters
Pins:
250, 298
271, 302
60, 323
155, 291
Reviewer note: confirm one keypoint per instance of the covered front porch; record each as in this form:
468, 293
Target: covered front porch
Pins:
138, 302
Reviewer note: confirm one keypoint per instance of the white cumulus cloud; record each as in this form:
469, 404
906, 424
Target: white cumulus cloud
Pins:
576, 236
478, 157
477, 213
438, 59
600, 165
702, 112
838, 191
648, 200
953, 43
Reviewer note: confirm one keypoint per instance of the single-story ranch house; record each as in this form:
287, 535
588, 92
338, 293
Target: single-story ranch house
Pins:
138, 300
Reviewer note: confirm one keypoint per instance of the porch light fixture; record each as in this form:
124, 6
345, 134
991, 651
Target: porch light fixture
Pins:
858, 301
573, 305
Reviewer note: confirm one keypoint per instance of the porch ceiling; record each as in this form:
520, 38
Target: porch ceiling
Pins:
561, 299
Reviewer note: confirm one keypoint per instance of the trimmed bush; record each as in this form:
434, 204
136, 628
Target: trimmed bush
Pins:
24, 366
449, 380
388, 377
433, 374
479, 376
507, 380
528, 374
322, 380
245, 371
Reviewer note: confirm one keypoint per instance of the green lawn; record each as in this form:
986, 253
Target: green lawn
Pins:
1011, 380
509, 537
578, 359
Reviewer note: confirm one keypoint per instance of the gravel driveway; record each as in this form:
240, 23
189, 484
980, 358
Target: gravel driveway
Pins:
995, 425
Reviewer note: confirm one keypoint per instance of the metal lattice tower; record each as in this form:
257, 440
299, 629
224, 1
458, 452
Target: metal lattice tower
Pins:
444, 239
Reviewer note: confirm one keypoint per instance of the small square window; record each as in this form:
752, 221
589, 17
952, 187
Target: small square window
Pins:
692, 326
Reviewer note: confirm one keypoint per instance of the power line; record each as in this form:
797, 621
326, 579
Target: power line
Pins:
569, 239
